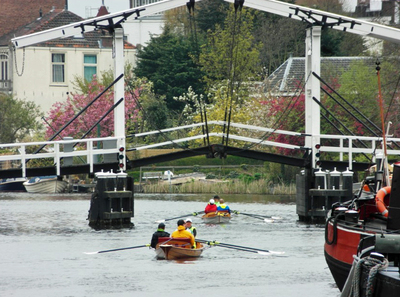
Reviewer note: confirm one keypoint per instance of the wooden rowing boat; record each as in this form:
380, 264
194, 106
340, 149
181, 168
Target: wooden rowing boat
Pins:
219, 217
177, 248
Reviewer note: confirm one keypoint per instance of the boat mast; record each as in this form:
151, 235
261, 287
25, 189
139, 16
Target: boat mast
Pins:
384, 164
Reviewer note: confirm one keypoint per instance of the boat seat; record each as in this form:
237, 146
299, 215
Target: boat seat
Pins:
163, 239
174, 241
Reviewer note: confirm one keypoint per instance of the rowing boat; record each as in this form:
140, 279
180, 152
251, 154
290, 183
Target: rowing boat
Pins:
216, 217
177, 248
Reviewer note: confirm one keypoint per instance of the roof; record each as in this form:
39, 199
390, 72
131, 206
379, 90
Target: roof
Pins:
61, 17
289, 77
16, 13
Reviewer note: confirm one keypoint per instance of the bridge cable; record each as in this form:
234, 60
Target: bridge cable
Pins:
238, 5
231, 73
79, 113
190, 6
344, 126
288, 109
136, 98
97, 122
357, 110
193, 34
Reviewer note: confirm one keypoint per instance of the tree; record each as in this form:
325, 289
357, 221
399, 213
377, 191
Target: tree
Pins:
231, 53
210, 14
18, 118
167, 61
62, 112
280, 37
359, 86
229, 61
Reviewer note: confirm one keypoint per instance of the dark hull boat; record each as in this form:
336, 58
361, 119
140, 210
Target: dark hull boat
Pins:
12, 185
362, 240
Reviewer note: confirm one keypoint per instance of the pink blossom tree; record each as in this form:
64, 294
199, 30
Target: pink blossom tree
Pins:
62, 112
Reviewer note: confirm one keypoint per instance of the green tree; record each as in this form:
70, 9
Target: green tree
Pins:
210, 14
359, 86
229, 61
18, 118
168, 62
231, 53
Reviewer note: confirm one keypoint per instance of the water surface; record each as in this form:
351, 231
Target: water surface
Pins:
44, 237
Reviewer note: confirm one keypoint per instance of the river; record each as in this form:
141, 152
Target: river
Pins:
44, 239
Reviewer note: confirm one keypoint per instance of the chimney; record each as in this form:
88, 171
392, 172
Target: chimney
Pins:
40, 12
66, 5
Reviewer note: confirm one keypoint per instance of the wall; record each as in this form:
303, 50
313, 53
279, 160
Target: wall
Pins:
35, 83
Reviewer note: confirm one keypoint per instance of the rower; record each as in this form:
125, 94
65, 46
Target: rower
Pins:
183, 233
159, 233
189, 227
223, 207
211, 207
217, 200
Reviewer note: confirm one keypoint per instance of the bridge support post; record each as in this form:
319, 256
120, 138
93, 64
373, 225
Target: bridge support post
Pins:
312, 109
112, 204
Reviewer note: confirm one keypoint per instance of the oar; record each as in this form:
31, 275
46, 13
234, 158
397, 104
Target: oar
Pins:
262, 217
120, 249
186, 215
242, 248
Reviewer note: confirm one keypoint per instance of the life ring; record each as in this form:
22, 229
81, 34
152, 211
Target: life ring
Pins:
379, 200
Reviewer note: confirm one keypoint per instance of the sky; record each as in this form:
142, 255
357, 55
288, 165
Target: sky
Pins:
79, 6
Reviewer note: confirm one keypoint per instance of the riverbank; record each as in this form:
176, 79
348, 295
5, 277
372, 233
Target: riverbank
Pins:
233, 186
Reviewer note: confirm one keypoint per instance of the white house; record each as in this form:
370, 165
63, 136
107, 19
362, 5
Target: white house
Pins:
44, 73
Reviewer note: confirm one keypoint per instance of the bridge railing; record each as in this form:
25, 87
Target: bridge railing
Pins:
87, 151
346, 147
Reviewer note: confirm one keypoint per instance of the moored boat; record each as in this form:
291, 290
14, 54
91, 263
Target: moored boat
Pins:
12, 184
357, 229
177, 248
219, 217
45, 184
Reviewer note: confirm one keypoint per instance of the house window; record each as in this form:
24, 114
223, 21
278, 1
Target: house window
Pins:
58, 64
3, 70
89, 66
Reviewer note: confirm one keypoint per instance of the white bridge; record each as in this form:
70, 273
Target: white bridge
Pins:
317, 21
97, 150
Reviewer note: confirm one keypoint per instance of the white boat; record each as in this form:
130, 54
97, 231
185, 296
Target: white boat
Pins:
45, 184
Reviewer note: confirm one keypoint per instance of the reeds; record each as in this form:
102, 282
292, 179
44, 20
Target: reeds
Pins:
234, 186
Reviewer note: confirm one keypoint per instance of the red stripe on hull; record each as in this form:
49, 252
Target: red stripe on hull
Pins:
347, 241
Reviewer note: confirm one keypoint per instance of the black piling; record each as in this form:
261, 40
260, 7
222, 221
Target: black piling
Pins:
112, 204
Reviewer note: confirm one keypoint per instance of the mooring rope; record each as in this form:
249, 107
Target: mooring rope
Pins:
374, 266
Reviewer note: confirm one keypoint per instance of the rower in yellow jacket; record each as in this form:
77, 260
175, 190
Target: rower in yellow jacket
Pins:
181, 232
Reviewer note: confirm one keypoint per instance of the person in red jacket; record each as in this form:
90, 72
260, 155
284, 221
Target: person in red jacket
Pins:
211, 207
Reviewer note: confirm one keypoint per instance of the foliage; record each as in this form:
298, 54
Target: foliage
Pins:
288, 114
231, 53
167, 61
63, 112
18, 118
337, 43
359, 87
210, 14
280, 37
233, 174
229, 60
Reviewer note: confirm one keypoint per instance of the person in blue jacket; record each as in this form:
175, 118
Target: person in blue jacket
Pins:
223, 207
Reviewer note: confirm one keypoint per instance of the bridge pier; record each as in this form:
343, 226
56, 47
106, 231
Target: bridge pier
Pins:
316, 191
112, 204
